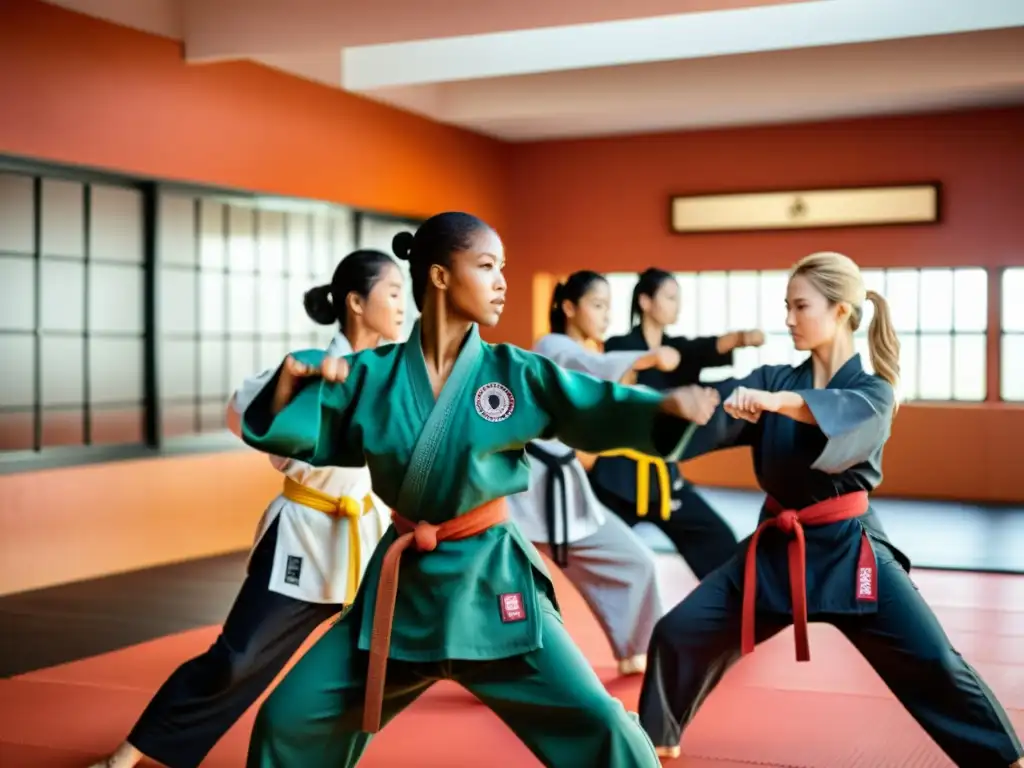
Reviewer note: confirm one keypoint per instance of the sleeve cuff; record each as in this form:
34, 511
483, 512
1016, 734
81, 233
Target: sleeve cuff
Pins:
836, 411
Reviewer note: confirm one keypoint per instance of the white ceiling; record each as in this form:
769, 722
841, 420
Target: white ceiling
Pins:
537, 69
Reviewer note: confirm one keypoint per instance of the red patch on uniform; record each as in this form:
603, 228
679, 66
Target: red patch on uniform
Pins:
512, 608
866, 587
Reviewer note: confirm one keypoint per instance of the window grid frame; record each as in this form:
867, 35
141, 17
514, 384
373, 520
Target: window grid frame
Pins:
913, 337
154, 441
86, 282
952, 333
1003, 291
197, 337
37, 320
727, 304
84, 404
1003, 336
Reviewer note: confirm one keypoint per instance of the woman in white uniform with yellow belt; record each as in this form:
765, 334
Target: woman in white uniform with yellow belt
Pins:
311, 548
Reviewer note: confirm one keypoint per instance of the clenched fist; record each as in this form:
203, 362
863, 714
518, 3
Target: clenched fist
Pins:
693, 403
749, 404
752, 338
293, 372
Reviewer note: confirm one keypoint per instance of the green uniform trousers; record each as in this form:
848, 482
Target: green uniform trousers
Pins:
550, 698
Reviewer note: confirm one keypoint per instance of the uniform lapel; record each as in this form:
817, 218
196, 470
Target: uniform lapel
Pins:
339, 346
843, 378
636, 338
435, 416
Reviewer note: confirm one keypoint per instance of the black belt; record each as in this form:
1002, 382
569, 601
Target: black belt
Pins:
556, 482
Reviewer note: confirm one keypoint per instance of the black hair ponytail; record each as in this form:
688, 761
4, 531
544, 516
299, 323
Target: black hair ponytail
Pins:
356, 273
572, 290
651, 279
556, 315
434, 243
319, 306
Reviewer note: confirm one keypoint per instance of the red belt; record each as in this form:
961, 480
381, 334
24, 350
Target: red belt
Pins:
791, 522
425, 537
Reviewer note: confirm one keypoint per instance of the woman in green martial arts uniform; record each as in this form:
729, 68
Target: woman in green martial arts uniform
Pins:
442, 421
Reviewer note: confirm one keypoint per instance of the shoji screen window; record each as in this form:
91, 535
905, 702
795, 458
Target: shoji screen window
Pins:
715, 303
941, 317
1012, 336
19, 391
232, 279
71, 322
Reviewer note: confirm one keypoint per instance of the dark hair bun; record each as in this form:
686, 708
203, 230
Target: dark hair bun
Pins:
319, 306
401, 245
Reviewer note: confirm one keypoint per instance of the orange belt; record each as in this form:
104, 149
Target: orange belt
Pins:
791, 522
425, 538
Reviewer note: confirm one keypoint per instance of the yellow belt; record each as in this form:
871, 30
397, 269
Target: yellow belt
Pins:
343, 506
643, 480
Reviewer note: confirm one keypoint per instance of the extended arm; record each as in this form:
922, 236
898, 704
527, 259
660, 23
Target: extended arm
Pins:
595, 416
695, 355
793, 406
727, 342
723, 430
856, 420
309, 419
610, 366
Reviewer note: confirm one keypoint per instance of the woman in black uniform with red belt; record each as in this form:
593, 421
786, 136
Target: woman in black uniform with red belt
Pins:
702, 537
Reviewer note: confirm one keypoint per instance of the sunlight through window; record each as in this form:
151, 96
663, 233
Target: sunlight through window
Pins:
940, 315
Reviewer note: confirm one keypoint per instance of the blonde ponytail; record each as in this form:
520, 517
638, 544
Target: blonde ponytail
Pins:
838, 279
883, 343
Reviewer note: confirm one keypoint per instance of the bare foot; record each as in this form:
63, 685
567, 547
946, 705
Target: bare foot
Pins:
126, 756
634, 665
669, 753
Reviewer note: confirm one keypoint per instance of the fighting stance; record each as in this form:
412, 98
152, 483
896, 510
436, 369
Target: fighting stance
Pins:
613, 570
312, 545
442, 421
630, 487
817, 432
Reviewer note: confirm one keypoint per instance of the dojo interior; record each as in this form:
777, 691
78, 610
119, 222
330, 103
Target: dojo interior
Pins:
175, 173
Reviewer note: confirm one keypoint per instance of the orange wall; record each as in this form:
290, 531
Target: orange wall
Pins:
62, 525
607, 200
82, 91
603, 204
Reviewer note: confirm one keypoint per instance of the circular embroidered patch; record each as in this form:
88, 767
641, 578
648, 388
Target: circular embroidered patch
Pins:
495, 402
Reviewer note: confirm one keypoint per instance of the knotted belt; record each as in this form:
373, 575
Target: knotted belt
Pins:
556, 483
791, 522
341, 506
644, 464
424, 537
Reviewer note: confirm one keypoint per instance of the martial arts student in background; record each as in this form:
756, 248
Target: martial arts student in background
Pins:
311, 548
613, 570
630, 486
817, 431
